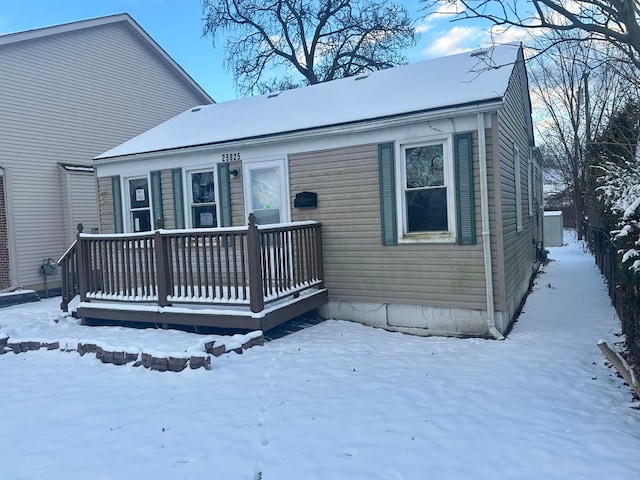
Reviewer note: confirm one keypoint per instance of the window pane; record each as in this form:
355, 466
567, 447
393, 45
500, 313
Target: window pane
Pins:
204, 216
202, 187
425, 166
265, 188
141, 220
427, 210
139, 193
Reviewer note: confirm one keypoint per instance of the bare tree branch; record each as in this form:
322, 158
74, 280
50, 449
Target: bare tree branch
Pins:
615, 21
316, 40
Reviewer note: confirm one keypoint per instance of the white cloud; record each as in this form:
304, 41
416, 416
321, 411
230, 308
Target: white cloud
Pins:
456, 40
447, 9
510, 35
423, 26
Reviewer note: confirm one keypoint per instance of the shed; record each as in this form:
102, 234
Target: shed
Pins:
553, 229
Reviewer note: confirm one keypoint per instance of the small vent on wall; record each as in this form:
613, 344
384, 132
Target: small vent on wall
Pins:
362, 77
196, 109
273, 94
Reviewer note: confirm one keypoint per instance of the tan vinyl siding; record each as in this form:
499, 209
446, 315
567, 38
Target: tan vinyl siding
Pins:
168, 214
65, 99
105, 202
518, 247
238, 218
357, 267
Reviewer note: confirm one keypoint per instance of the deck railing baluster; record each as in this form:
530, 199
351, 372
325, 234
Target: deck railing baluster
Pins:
219, 294
205, 265
228, 266
243, 267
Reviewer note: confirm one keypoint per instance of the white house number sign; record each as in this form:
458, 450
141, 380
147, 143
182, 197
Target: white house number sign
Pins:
231, 157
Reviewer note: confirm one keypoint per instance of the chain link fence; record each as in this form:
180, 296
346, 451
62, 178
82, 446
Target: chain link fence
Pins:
624, 290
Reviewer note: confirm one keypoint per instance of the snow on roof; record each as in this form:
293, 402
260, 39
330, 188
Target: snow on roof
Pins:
466, 78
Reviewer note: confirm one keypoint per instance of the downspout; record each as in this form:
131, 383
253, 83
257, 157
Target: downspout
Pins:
486, 240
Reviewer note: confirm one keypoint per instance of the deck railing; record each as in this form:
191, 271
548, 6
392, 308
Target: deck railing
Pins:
240, 266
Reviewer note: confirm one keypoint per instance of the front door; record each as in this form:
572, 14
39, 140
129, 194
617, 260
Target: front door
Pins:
266, 192
139, 205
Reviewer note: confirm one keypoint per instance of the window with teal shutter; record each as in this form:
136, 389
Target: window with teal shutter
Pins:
224, 192
178, 197
156, 198
465, 189
117, 204
387, 194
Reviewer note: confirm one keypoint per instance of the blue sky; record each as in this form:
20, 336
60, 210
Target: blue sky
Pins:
176, 25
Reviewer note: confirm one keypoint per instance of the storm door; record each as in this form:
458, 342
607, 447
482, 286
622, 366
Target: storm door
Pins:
266, 192
139, 204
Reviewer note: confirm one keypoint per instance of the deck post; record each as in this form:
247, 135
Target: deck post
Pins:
254, 246
318, 254
161, 269
82, 265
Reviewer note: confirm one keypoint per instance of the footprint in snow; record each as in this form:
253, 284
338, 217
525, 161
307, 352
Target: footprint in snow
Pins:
348, 453
392, 475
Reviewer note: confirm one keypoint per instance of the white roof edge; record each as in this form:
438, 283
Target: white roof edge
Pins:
15, 37
12, 38
365, 124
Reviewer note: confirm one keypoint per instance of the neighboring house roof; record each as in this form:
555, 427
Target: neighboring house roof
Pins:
464, 79
14, 38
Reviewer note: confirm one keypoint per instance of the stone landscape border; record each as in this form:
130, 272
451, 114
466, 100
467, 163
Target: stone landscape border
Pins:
213, 348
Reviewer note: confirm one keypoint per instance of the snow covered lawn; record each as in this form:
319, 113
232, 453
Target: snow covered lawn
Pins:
336, 401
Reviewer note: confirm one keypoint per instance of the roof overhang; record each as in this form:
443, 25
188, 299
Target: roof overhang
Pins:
485, 106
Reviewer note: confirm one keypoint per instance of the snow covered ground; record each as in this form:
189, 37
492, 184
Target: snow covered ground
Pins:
334, 401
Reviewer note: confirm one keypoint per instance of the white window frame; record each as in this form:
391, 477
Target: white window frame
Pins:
188, 194
517, 178
126, 193
404, 236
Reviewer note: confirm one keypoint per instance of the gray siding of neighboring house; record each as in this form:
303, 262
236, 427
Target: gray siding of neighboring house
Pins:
357, 267
79, 203
105, 205
67, 98
518, 248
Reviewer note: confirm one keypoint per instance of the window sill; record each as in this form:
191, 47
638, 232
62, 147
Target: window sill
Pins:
433, 237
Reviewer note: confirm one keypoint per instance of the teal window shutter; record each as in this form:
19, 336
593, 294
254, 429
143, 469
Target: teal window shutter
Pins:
224, 193
178, 197
386, 165
117, 204
465, 189
156, 198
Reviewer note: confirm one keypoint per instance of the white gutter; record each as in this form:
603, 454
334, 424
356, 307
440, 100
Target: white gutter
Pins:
486, 243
